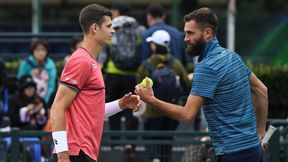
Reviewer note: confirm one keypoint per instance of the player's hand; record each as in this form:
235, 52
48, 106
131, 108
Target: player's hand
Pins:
146, 94
190, 76
264, 145
63, 157
130, 101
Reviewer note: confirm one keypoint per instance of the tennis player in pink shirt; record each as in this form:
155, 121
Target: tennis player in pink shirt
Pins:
79, 107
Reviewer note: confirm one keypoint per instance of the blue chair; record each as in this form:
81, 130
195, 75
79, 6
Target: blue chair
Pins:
36, 147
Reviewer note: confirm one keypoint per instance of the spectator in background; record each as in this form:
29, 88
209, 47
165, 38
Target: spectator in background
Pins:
119, 80
4, 119
155, 17
169, 91
27, 108
41, 68
4, 116
120, 8
27, 111
75, 43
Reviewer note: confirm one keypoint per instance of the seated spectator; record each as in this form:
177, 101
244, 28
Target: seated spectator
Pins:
41, 68
27, 109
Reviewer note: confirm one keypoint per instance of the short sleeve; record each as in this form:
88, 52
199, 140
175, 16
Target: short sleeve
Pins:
249, 71
204, 82
76, 73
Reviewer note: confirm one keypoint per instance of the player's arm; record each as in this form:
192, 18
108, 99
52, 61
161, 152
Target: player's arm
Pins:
64, 97
185, 113
128, 101
181, 113
260, 101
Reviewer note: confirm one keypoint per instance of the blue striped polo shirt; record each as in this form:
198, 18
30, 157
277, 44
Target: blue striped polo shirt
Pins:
223, 79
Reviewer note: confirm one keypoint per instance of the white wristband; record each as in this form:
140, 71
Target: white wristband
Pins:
112, 108
60, 141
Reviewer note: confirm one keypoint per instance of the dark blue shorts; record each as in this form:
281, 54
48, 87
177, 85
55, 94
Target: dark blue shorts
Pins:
254, 154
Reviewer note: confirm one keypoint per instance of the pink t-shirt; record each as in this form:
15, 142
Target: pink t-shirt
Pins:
85, 116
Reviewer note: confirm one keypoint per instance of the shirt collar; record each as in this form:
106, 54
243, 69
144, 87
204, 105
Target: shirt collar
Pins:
208, 47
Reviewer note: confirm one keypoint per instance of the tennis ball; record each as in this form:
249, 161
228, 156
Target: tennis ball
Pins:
143, 83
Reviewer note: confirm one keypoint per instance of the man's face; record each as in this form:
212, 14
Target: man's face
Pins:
194, 38
115, 13
149, 20
105, 31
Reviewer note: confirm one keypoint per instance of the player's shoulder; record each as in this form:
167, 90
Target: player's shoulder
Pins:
79, 56
78, 53
77, 60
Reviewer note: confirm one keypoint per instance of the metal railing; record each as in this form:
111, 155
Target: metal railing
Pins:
12, 43
179, 141
135, 138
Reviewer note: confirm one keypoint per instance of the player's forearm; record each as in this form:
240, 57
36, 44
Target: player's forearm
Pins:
171, 110
180, 113
112, 108
260, 101
59, 132
58, 120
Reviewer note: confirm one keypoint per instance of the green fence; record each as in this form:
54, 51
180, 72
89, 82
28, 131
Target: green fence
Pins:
182, 145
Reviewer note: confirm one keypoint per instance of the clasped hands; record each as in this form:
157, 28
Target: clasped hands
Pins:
134, 101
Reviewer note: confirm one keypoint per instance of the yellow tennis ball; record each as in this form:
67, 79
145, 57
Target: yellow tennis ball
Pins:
143, 83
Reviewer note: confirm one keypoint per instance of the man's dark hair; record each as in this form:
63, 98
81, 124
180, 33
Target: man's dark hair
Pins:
74, 41
93, 13
204, 17
37, 42
155, 10
122, 7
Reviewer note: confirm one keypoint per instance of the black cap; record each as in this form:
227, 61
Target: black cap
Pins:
26, 81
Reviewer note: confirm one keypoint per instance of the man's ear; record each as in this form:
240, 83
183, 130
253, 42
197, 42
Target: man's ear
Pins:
95, 28
208, 33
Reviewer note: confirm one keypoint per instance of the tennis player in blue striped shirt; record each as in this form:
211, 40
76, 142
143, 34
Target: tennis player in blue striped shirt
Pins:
234, 100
